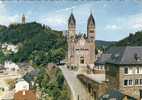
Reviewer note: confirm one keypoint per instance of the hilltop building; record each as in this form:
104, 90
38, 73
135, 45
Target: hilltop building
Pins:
81, 49
23, 19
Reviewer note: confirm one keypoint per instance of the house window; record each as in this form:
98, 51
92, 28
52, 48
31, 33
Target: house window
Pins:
101, 67
136, 81
125, 82
126, 70
130, 82
140, 94
138, 70
140, 81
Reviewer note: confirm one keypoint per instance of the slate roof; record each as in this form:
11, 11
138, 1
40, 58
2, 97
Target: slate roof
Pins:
30, 75
102, 60
122, 55
114, 94
126, 55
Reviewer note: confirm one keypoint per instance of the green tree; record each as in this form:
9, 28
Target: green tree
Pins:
2, 57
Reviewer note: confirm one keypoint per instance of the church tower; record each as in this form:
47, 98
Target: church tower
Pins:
23, 19
71, 38
91, 34
71, 26
91, 28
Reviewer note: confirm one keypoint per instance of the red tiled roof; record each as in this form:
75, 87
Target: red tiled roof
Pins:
25, 95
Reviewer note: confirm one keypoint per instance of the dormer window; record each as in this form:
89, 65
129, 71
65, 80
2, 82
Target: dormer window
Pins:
137, 57
116, 56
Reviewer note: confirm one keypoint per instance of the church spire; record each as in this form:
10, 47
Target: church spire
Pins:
71, 25
91, 20
71, 19
91, 28
23, 19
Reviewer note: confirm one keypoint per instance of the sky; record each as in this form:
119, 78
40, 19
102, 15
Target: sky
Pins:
114, 19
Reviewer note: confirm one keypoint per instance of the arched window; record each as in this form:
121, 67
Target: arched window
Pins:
81, 60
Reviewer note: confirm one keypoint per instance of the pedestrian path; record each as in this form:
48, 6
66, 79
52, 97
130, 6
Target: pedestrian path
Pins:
78, 90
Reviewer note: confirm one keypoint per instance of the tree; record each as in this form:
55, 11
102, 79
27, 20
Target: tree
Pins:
35, 40
2, 57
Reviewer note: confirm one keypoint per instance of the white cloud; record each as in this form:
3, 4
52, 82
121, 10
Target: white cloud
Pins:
135, 21
67, 9
6, 19
130, 23
2, 8
58, 19
112, 27
105, 5
55, 21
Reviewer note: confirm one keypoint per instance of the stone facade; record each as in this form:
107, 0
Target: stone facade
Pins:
123, 70
127, 89
81, 50
95, 89
126, 83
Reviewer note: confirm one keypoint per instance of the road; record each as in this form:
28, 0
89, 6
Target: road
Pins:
79, 92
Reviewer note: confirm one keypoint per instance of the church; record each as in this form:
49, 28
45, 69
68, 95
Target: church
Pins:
81, 49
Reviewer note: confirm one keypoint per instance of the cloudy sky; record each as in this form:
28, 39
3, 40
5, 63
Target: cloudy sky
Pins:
114, 19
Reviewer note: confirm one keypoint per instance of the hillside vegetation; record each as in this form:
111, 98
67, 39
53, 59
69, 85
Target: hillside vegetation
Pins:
132, 40
52, 84
37, 43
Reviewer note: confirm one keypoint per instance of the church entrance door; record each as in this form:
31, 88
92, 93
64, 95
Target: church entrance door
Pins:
81, 60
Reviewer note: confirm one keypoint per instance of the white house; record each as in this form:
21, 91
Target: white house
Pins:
9, 48
11, 66
21, 85
12, 48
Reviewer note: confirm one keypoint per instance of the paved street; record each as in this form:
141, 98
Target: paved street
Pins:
77, 89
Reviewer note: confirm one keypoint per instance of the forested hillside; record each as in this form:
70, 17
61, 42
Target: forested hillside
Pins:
132, 40
37, 43
104, 44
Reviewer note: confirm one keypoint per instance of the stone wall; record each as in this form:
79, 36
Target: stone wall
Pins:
81, 48
112, 76
94, 88
115, 77
133, 90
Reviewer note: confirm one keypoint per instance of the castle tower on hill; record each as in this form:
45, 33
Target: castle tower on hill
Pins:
81, 50
23, 19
